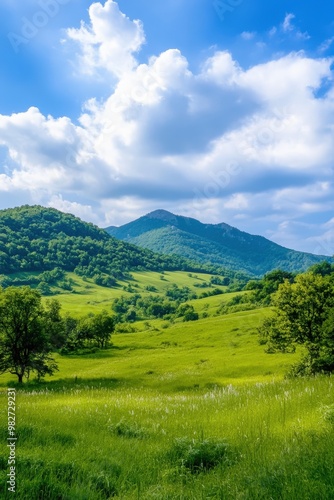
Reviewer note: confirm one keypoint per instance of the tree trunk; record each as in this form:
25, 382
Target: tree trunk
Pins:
20, 376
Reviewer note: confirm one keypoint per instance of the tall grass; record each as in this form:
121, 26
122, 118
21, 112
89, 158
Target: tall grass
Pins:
90, 441
193, 411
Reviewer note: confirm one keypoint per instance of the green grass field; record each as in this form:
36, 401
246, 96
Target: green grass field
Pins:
88, 297
191, 410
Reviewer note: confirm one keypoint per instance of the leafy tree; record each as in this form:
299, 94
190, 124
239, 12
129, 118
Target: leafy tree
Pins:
188, 312
24, 340
55, 324
323, 268
92, 329
180, 294
84, 331
263, 289
103, 326
44, 288
326, 360
217, 280
302, 317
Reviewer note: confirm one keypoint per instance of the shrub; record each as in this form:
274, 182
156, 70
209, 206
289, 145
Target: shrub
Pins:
191, 316
125, 328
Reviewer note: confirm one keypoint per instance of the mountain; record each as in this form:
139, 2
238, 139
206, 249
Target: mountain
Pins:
34, 238
217, 244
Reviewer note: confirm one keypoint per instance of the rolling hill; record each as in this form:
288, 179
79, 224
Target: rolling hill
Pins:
38, 239
217, 244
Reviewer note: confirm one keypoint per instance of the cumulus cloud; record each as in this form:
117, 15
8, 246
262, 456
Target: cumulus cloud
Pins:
110, 41
248, 146
83, 211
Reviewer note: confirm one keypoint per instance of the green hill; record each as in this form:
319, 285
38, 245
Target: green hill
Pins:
217, 244
37, 239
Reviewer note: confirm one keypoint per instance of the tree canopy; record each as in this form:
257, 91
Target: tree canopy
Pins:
33, 238
25, 344
303, 314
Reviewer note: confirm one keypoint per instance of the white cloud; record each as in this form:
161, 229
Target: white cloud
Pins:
237, 201
288, 27
326, 45
287, 23
110, 41
85, 212
248, 35
248, 146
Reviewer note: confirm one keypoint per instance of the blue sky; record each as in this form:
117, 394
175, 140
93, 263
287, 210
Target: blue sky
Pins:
219, 110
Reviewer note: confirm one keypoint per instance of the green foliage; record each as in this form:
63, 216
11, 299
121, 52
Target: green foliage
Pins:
51, 242
93, 330
138, 307
25, 336
323, 268
180, 294
188, 312
263, 289
304, 315
218, 245
327, 413
217, 280
54, 323
211, 293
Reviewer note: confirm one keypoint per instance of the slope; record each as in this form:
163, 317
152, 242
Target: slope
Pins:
34, 238
217, 244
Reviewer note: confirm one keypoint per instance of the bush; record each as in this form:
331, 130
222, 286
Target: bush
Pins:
125, 328
191, 316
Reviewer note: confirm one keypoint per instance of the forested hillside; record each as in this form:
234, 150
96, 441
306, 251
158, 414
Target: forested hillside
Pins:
33, 238
215, 244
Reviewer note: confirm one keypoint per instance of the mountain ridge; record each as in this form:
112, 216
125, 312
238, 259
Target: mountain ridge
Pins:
38, 239
216, 244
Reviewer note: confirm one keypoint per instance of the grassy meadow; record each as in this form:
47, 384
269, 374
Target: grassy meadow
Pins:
191, 410
88, 297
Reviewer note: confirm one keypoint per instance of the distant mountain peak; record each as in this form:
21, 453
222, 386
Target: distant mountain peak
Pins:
162, 215
214, 244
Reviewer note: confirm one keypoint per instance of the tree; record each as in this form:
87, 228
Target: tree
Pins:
103, 325
24, 341
301, 315
55, 324
96, 328
188, 312
324, 268
263, 289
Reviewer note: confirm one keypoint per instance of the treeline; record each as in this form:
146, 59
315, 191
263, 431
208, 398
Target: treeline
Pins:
261, 292
173, 304
43, 282
40, 239
30, 331
37, 239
